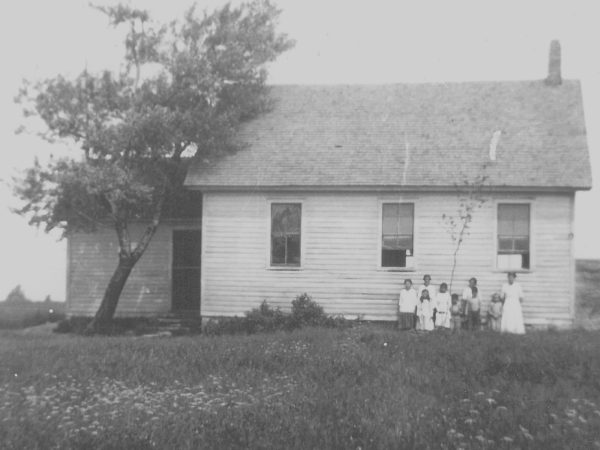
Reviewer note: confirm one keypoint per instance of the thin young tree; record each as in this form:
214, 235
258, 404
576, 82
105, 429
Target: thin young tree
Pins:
470, 197
183, 90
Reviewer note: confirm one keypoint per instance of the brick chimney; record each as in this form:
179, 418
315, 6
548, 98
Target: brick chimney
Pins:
554, 78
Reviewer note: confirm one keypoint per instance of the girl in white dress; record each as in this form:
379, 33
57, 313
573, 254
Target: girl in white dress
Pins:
512, 314
425, 312
442, 305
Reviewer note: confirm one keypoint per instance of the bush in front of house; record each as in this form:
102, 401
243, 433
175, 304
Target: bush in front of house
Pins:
265, 318
305, 311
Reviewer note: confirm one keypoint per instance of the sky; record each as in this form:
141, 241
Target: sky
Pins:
337, 41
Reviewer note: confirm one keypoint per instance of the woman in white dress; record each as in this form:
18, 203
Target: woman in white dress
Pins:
512, 314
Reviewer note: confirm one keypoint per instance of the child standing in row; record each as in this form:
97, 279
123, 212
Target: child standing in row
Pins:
425, 312
474, 316
455, 314
431, 289
443, 305
495, 312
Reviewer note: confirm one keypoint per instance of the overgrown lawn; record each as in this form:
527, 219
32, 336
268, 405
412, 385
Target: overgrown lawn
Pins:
364, 387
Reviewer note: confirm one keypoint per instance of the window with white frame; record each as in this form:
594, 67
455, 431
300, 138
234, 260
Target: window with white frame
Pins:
286, 221
514, 236
397, 236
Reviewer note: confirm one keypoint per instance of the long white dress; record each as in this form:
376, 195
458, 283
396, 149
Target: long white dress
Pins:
512, 314
443, 303
425, 315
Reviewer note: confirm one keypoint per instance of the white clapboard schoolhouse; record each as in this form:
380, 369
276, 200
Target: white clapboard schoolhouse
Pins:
341, 192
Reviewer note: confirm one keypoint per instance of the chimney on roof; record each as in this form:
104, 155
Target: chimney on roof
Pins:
554, 78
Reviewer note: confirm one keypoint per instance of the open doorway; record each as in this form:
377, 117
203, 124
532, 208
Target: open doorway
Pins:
187, 251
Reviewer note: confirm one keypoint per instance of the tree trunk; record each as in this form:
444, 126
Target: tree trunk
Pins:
107, 308
128, 257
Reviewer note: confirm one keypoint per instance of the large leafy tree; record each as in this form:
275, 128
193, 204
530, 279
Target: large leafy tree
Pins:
183, 90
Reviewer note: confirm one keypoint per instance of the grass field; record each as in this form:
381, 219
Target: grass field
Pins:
360, 388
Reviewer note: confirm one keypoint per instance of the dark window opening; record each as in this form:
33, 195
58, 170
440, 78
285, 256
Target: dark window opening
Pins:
513, 236
285, 234
397, 238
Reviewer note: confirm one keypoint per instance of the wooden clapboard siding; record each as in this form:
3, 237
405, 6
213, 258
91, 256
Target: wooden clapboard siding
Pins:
340, 253
93, 258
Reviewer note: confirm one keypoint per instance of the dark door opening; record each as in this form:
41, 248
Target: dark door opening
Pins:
185, 295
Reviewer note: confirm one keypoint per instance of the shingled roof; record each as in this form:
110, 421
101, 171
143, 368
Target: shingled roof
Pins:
410, 136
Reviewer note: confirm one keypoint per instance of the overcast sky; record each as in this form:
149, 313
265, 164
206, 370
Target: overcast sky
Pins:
375, 41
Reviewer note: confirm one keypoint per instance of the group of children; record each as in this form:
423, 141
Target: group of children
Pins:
427, 308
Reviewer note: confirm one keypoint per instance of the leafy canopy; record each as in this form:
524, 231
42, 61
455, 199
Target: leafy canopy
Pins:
183, 90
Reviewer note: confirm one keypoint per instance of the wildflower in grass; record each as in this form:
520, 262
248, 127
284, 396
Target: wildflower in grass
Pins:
526, 434
490, 401
570, 413
507, 439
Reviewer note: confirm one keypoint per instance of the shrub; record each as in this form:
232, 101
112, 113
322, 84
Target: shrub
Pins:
305, 311
265, 318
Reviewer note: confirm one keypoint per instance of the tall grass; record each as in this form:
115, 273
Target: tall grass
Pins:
364, 387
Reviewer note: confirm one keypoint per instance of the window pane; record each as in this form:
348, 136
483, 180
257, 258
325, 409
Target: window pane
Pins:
406, 218
398, 218
278, 250
285, 218
505, 244
513, 219
521, 226
397, 242
389, 243
393, 258
390, 218
293, 250
521, 244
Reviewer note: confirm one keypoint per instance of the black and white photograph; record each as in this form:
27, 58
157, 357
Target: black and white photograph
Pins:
277, 224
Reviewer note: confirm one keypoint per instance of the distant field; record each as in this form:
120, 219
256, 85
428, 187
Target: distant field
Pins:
588, 292
23, 314
365, 387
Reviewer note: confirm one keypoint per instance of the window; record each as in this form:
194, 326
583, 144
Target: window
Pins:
397, 234
513, 236
285, 234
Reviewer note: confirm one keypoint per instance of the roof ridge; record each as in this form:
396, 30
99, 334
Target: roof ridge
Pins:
421, 83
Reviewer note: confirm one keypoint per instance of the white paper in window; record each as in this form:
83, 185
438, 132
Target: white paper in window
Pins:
410, 261
510, 261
